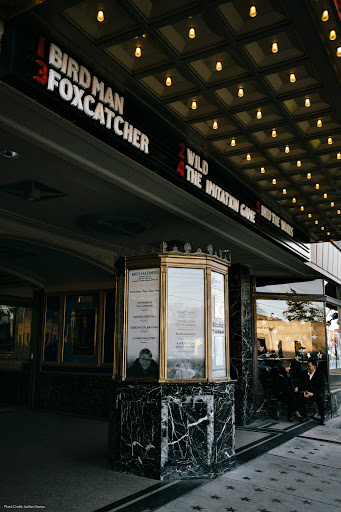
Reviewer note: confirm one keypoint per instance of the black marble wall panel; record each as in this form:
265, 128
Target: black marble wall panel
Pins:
241, 342
85, 394
173, 431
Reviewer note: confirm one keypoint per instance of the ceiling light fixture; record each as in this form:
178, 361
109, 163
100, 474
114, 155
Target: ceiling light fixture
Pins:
309, 215
307, 102
325, 195
332, 35
259, 114
274, 133
240, 92
302, 208
253, 11
274, 47
168, 81
138, 51
338, 212
325, 15
294, 199
194, 105
292, 78
287, 149
274, 181
338, 51
316, 221
328, 233
215, 125
219, 65
191, 33
100, 16
317, 186
262, 170
332, 204
248, 156
330, 140
233, 142
309, 175
338, 156
284, 191
322, 227
319, 123
299, 163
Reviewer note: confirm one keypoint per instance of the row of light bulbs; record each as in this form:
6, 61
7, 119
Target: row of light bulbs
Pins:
332, 32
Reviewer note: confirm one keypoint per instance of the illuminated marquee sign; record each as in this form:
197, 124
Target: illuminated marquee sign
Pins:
85, 92
195, 170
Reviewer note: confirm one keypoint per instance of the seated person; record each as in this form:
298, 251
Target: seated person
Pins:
312, 386
286, 392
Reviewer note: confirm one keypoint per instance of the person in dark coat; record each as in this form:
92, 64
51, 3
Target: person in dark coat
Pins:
144, 366
313, 386
286, 392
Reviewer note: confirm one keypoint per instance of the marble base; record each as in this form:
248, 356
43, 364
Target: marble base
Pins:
173, 431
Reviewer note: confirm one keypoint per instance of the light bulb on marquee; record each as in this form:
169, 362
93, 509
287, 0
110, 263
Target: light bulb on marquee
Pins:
248, 157
330, 140
338, 51
191, 33
325, 15
287, 149
317, 186
233, 142
240, 92
253, 11
294, 199
168, 81
309, 215
274, 133
138, 51
299, 163
194, 105
302, 208
100, 16
274, 47
307, 102
219, 65
332, 35
319, 123
215, 125
262, 170
292, 78
309, 175
332, 204
259, 114
274, 181
338, 156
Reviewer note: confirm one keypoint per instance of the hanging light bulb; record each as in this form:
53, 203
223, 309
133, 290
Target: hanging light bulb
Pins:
319, 123
259, 114
240, 92
325, 195
274, 181
194, 105
219, 65
317, 186
328, 233
138, 51
338, 156
325, 15
316, 221
168, 81
299, 163
253, 11
330, 140
309, 215
191, 33
294, 199
233, 142
215, 125
248, 156
262, 170
274, 48
292, 78
274, 133
309, 175
332, 204
322, 227
287, 149
307, 102
338, 212
284, 191
338, 51
332, 35
100, 16
302, 208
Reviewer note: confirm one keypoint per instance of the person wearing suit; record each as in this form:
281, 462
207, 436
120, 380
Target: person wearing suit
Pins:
313, 385
286, 392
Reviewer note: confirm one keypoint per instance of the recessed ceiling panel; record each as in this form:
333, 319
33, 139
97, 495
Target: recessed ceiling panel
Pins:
231, 68
303, 79
242, 94
184, 108
157, 84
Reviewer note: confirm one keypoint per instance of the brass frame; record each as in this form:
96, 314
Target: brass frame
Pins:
164, 261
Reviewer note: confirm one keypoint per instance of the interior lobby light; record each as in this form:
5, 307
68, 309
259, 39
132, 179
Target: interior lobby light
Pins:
233, 142
215, 125
317, 186
292, 78
138, 51
240, 92
325, 15
253, 11
100, 16
168, 81
262, 170
299, 163
219, 65
248, 156
274, 181
307, 102
332, 35
259, 114
319, 123
273, 133
274, 47
191, 33
309, 175
194, 105
330, 140
338, 51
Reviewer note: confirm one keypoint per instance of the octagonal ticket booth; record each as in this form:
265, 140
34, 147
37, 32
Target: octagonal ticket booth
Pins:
173, 410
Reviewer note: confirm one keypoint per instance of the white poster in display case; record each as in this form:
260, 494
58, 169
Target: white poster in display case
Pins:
186, 324
218, 325
143, 333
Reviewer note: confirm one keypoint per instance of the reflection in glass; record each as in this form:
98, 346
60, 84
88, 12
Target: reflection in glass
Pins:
7, 322
186, 324
218, 325
334, 344
83, 332
313, 286
51, 329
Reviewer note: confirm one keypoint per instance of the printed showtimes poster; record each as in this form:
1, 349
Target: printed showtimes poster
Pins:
143, 316
218, 325
186, 324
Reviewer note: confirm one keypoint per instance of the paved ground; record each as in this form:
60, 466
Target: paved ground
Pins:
58, 462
